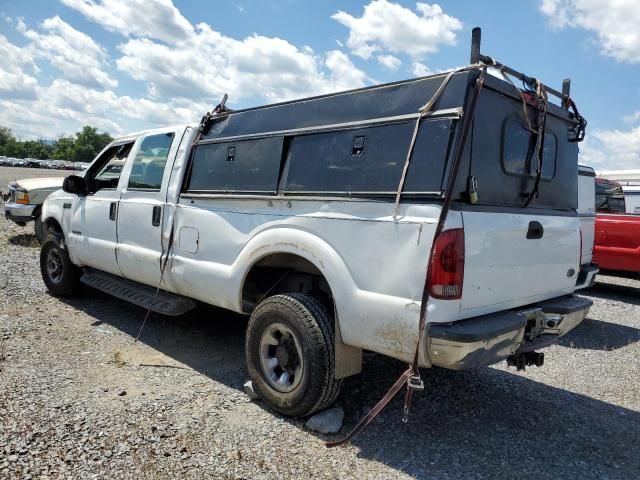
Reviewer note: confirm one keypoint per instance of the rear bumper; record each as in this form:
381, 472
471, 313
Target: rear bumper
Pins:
489, 339
587, 276
18, 212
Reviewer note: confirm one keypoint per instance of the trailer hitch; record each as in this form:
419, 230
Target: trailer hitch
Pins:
523, 360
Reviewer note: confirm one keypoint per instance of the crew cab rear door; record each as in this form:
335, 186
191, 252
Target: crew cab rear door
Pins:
517, 255
142, 205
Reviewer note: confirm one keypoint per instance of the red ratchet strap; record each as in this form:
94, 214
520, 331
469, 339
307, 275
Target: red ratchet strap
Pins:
411, 377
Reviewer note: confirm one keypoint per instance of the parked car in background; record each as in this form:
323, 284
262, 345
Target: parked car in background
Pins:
609, 196
81, 166
32, 163
631, 199
617, 242
24, 198
617, 228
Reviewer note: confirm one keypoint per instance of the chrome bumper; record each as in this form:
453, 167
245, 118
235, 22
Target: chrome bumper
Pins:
489, 339
18, 212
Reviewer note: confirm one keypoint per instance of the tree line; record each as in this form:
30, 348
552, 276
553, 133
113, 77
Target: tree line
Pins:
81, 147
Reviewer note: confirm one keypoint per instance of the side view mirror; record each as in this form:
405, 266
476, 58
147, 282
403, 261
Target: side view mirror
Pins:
75, 184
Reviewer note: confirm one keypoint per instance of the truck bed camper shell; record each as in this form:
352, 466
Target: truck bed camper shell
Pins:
355, 144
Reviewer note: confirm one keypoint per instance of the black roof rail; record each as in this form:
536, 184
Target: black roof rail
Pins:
478, 57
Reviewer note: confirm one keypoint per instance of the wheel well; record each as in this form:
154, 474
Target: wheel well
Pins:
281, 273
54, 227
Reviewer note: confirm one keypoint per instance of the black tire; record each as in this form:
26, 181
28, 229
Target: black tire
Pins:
63, 278
313, 332
40, 230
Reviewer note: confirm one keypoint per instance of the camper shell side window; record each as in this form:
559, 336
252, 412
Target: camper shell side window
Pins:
364, 161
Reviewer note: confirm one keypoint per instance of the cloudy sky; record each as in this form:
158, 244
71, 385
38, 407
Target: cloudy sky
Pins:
125, 65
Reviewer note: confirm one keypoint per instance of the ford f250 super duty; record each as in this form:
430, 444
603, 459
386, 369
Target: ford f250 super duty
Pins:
320, 218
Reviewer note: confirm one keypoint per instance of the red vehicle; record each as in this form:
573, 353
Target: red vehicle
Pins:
617, 242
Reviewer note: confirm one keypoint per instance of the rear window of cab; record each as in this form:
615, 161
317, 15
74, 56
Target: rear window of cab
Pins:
518, 155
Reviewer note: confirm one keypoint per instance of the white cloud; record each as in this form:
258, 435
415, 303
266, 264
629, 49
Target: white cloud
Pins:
15, 79
74, 53
386, 26
615, 23
185, 69
64, 107
389, 62
157, 19
208, 64
343, 74
634, 117
420, 69
612, 149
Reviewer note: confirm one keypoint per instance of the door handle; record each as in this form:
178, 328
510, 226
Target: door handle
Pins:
536, 230
113, 209
155, 217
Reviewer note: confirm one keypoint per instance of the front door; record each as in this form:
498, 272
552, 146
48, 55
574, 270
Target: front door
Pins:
142, 207
93, 234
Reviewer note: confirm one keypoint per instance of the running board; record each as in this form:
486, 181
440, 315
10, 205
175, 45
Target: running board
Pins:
137, 293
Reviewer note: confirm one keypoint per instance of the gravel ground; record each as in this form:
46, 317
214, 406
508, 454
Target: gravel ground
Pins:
80, 399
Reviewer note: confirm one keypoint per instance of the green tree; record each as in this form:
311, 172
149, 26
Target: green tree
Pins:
6, 136
86, 144
37, 149
89, 142
63, 148
14, 148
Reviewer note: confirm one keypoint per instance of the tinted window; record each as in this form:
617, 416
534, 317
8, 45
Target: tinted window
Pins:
518, 155
369, 160
148, 165
247, 166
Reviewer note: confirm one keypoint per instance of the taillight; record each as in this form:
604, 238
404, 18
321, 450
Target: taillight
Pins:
447, 265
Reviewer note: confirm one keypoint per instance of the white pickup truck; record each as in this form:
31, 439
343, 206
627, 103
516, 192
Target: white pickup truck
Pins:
24, 198
287, 213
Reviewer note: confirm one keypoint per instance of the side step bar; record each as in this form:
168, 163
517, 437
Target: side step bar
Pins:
142, 295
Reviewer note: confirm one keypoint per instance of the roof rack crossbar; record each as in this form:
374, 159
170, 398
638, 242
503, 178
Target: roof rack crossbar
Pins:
478, 57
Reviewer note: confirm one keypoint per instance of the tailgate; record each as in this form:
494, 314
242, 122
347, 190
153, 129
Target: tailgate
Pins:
513, 259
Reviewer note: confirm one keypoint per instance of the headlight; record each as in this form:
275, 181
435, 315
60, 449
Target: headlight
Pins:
22, 197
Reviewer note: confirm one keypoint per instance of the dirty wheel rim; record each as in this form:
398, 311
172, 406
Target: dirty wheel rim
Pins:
281, 357
54, 266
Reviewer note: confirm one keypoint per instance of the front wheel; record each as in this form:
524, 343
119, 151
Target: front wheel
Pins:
290, 353
61, 277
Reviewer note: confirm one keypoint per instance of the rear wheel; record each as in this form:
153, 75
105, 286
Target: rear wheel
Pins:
291, 354
61, 277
